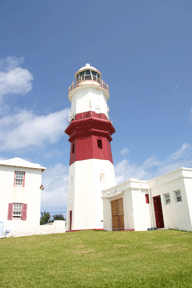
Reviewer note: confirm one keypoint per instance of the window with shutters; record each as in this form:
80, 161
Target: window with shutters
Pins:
17, 211
19, 179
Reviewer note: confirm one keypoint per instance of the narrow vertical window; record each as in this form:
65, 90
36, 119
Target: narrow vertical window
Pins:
147, 198
167, 199
102, 176
178, 196
19, 178
73, 147
99, 143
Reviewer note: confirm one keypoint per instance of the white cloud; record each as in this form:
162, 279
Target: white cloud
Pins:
175, 88
152, 167
14, 79
124, 152
55, 182
25, 129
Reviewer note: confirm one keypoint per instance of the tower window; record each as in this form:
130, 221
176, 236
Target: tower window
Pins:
102, 176
73, 147
99, 143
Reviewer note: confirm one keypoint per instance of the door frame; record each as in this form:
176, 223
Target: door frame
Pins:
159, 219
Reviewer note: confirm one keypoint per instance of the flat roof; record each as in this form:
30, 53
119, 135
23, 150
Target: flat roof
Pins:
18, 162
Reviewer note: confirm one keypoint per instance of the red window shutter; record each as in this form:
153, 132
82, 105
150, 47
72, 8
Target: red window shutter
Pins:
147, 198
10, 211
24, 212
24, 180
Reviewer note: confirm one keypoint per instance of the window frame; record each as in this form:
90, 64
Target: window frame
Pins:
19, 179
99, 143
73, 148
177, 196
167, 198
102, 177
17, 211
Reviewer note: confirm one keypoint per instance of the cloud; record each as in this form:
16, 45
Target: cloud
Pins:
14, 79
152, 167
175, 89
124, 152
25, 129
55, 181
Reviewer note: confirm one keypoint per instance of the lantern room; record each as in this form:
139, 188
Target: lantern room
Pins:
87, 73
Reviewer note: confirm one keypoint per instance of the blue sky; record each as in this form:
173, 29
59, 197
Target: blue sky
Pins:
143, 50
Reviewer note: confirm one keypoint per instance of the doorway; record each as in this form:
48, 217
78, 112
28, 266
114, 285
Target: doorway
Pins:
70, 220
158, 212
117, 214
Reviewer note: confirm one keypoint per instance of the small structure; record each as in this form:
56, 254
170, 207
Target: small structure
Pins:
20, 194
163, 202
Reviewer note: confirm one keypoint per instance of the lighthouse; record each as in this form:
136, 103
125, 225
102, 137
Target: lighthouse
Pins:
91, 165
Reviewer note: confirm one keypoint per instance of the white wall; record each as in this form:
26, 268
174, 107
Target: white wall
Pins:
140, 210
84, 197
30, 195
176, 214
136, 210
82, 98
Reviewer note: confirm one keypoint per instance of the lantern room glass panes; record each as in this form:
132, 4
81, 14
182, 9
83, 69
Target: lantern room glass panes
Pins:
88, 74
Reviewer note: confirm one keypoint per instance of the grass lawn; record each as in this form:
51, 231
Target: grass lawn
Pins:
98, 259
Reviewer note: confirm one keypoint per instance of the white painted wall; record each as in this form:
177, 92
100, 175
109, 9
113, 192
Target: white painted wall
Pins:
30, 195
86, 98
84, 196
177, 215
136, 210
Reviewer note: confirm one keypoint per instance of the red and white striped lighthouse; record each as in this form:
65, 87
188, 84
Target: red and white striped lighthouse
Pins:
91, 165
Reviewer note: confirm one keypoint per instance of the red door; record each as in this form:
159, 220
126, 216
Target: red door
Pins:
158, 212
70, 219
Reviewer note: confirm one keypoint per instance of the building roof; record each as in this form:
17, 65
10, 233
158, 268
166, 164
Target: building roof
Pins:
18, 162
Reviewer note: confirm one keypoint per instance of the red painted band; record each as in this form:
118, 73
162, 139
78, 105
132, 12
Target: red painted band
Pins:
90, 138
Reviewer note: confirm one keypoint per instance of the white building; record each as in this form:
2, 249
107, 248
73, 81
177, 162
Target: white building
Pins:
164, 202
20, 194
91, 166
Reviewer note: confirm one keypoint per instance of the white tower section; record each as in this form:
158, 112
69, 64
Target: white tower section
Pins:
90, 93
91, 166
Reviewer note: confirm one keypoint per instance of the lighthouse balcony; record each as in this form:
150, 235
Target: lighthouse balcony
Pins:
88, 114
88, 79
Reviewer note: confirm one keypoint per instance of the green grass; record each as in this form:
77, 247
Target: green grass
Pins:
98, 259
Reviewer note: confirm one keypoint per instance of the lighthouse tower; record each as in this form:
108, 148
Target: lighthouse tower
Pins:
91, 165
